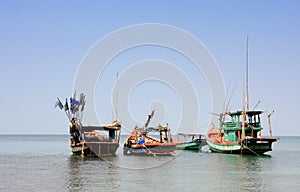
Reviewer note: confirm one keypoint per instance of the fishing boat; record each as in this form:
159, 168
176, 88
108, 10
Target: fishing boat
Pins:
139, 142
89, 140
190, 141
240, 132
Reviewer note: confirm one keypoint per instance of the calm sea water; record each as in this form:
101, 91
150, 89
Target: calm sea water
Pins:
45, 163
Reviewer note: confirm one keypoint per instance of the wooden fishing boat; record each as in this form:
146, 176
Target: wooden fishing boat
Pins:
93, 140
240, 136
190, 141
139, 142
86, 140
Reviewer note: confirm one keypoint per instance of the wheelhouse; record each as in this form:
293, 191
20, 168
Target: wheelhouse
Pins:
232, 127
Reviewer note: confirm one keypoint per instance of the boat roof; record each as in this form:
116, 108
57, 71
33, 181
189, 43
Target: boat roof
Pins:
149, 129
190, 134
100, 128
250, 113
158, 128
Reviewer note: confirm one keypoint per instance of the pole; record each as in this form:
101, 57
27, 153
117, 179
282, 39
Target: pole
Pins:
243, 124
68, 115
112, 110
256, 105
247, 77
243, 114
269, 121
117, 96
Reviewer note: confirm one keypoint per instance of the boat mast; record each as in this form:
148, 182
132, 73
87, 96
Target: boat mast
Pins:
115, 100
243, 122
117, 96
117, 103
247, 77
246, 92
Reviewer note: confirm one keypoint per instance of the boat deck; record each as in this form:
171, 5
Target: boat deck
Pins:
215, 137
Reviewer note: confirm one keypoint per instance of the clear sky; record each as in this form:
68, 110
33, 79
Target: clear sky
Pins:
42, 43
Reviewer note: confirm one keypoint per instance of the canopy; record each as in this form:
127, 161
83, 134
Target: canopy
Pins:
88, 128
249, 113
190, 134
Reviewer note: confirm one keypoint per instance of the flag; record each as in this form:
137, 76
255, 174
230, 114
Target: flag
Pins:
73, 101
66, 105
74, 105
58, 103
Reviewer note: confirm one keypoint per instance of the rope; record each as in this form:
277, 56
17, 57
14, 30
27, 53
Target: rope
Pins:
251, 150
82, 149
149, 150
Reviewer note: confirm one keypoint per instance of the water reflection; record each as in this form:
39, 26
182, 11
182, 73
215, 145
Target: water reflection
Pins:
92, 174
213, 172
238, 172
251, 178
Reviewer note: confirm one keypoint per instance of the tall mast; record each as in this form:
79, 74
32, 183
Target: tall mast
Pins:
117, 96
246, 76
246, 92
115, 100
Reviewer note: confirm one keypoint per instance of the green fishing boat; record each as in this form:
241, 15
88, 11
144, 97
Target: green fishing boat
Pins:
241, 134
190, 141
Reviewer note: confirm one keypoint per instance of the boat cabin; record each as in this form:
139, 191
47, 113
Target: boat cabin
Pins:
91, 132
232, 129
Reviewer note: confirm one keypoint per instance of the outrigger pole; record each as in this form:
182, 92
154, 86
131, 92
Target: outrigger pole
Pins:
269, 121
148, 120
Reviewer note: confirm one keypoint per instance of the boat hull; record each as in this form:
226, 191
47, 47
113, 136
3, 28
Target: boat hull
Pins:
192, 145
160, 149
223, 148
99, 149
253, 146
140, 143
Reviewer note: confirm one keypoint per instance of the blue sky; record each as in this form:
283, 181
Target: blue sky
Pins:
43, 42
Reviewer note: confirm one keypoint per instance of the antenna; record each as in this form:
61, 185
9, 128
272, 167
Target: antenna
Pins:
256, 105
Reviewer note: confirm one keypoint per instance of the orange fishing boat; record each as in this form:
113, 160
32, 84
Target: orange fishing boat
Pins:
139, 142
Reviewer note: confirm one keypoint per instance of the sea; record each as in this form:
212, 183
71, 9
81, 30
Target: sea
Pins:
45, 163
